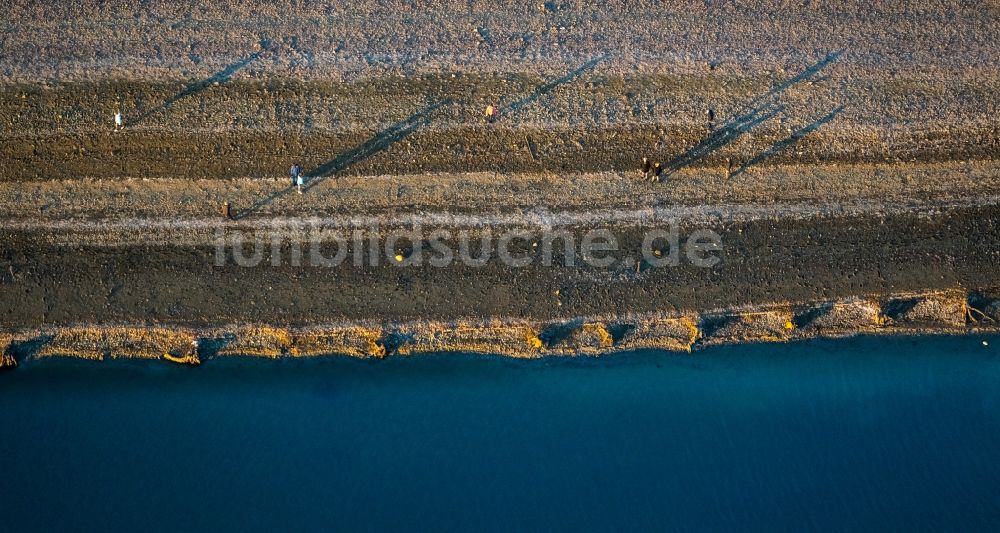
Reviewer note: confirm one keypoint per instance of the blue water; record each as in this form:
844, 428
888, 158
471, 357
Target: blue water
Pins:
870, 434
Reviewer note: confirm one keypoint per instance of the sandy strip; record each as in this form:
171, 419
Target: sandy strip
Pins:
189, 231
535, 217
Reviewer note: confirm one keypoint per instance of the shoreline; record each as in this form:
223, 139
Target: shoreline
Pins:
937, 312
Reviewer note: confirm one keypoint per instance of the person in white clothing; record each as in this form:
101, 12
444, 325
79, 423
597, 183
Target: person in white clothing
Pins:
118, 121
299, 181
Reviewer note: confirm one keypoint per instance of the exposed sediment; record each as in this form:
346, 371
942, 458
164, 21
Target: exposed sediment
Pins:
944, 312
7, 359
99, 343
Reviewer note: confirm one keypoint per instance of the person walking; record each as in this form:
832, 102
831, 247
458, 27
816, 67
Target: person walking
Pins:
657, 170
296, 171
299, 181
119, 124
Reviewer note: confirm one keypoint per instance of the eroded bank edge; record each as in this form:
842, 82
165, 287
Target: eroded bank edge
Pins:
952, 311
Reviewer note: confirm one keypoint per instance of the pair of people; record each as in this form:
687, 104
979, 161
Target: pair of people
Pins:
298, 179
651, 171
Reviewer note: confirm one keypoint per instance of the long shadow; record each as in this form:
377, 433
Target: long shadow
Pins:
380, 142
794, 80
751, 114
259, 204
788, 142
728, 132
376, 144
548, 87
194, 88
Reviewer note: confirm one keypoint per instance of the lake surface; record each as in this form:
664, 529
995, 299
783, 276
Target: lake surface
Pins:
865, 433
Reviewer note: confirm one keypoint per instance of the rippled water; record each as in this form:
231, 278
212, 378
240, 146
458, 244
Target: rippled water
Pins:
874, 434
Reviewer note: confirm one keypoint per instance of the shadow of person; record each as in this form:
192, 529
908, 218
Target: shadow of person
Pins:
750, 115
542, 90
788, 142
192, 89
381, 141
